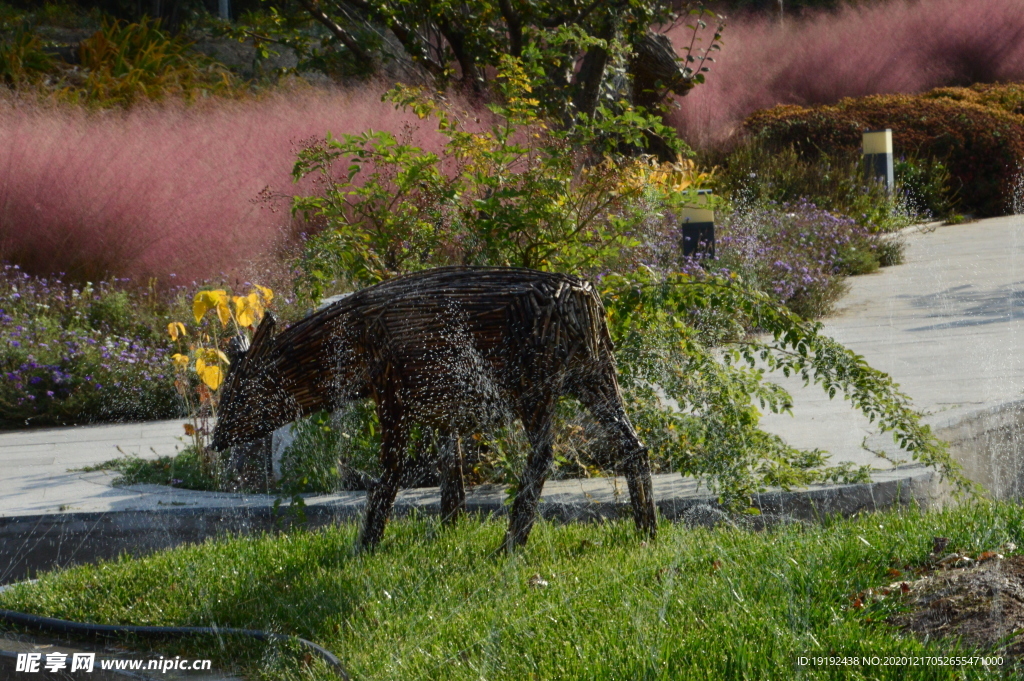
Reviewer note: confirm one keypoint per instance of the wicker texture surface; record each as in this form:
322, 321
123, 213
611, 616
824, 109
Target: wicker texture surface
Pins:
451, 349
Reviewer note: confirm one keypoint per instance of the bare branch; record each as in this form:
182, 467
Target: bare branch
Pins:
343, 36
405, 35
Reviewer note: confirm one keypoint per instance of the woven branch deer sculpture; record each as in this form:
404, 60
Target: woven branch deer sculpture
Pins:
443, 348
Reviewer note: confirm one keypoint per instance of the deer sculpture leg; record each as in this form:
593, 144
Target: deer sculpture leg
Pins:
601, 397
536, 418
453, 489
637, 463
380, 499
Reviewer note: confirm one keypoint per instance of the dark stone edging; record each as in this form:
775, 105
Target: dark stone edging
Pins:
29, 544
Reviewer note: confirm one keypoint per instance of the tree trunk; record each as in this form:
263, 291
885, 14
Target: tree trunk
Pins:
471, 77
591, 74
655, 72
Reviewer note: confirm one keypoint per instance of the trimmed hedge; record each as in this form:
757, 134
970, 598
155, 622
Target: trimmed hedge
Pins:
975, 131
1006, 96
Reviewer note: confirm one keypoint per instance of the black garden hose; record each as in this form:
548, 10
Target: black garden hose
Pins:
57, 626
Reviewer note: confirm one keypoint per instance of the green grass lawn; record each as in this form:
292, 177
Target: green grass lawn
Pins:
436, 603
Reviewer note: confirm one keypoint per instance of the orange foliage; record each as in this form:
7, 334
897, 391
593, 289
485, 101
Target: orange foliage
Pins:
975, 131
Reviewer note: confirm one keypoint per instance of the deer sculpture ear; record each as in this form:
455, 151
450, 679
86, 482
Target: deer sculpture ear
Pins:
237, 348
265, 331
261, 339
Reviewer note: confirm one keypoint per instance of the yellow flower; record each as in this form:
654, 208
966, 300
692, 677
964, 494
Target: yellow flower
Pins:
176, 329
180, 361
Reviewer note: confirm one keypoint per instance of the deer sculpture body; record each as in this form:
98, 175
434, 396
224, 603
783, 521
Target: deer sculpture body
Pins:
445, 349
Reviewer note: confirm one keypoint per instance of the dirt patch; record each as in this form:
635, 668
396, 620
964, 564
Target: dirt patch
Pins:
981, 603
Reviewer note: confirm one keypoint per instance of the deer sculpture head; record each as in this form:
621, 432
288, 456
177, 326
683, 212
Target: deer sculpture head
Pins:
253, 403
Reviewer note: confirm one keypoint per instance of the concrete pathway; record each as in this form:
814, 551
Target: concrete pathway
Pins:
38, 465
948, 325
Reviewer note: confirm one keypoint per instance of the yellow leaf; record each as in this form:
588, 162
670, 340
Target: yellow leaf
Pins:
208, 300
223, 312
176, 329
243, 315
212, 376
248, 309
257, 306
209, 356
200, 305
268, 295
200, 366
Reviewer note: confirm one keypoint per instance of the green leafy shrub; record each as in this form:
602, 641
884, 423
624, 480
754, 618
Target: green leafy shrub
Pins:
338, 451
756, 173
333, 451
49, 13
358, 443
68, 14
187, 470
515, 193
927, 184
694, 382
22, 59
979, 144
311, 463
120, 64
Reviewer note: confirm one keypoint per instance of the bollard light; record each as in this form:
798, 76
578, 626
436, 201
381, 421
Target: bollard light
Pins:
698, 223
878, 156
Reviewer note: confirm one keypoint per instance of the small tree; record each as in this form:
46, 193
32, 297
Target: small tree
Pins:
516, 193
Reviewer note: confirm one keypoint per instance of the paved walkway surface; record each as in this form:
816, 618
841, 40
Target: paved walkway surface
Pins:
948, 325
39, 465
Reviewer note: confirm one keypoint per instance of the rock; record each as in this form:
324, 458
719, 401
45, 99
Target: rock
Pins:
280, 440
705, 515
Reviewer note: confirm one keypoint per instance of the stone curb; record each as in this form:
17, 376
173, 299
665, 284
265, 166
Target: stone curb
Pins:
29, 544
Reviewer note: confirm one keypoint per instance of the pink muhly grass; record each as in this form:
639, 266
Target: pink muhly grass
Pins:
165, 189
892, 47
